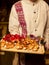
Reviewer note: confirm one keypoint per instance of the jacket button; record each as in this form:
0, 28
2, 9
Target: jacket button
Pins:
35, 29
35, 20
33, 4
34, 12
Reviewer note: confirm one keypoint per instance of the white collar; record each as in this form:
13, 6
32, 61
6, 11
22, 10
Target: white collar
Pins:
29, 2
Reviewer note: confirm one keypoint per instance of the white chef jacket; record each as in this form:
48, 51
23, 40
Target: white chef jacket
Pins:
36, 17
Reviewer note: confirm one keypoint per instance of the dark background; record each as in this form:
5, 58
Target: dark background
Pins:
5, 7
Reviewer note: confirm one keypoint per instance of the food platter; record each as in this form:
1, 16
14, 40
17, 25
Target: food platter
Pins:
25, 45
41, 50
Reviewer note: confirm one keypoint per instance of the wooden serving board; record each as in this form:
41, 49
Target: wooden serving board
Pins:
41, 50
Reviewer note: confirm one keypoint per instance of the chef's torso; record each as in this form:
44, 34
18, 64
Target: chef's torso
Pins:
35, 15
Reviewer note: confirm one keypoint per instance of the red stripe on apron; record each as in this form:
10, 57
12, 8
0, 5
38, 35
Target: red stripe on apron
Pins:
21, 18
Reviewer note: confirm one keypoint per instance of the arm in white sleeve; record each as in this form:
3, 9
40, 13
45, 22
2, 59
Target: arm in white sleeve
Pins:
13, 21
47, 30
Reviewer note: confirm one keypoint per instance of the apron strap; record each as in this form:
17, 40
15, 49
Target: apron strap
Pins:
21, 18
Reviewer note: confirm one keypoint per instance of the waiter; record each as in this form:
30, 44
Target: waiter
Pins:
30, 17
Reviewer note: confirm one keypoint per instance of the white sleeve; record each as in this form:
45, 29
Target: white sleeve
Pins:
13, 21
47, 28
